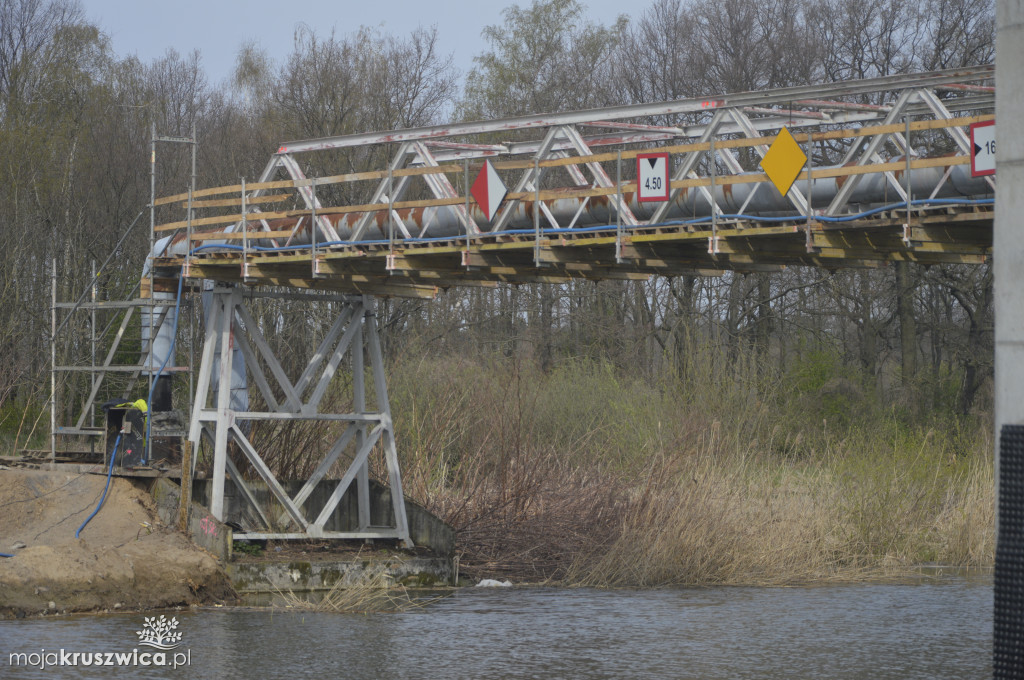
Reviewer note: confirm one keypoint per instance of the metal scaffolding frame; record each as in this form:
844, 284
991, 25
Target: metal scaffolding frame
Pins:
116, 313
98, 373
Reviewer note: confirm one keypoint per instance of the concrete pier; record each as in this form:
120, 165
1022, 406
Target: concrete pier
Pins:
309, 571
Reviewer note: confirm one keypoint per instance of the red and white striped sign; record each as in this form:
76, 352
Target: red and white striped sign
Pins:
488, 190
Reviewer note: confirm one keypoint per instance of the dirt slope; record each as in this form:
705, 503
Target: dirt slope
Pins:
124, 557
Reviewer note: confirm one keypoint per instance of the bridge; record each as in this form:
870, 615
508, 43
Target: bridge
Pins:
853, 174
885, 181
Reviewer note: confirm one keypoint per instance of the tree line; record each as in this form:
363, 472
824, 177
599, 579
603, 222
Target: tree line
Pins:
75, 122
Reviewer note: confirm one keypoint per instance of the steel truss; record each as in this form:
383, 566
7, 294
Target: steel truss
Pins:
566, 179
353, 331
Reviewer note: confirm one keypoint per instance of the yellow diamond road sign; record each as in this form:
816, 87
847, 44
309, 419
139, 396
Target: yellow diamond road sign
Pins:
783, 161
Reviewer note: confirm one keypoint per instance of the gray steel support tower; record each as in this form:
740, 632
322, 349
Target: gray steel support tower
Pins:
229, 325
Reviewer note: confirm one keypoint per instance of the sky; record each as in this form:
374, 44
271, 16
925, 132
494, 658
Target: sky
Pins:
217, 28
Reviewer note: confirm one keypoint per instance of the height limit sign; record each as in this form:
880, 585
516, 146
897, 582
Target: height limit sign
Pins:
652, 177
983, 149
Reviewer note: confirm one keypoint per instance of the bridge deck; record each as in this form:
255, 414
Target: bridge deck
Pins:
959, 235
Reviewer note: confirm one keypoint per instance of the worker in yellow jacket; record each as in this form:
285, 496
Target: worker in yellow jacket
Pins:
133, 431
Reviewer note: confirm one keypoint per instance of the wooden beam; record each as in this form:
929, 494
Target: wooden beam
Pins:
238, 236
228, 202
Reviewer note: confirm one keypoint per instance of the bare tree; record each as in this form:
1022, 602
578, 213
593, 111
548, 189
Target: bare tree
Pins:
958, 33
653, 61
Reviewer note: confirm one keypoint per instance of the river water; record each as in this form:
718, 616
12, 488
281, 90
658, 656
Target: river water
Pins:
931, 629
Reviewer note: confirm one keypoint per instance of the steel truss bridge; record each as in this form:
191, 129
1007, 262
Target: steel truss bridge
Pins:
899, 155
888, 179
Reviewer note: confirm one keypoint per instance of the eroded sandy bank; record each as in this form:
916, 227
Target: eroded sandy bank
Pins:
124, 559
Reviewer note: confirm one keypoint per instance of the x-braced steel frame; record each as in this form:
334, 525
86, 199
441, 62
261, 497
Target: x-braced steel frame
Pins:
354, 330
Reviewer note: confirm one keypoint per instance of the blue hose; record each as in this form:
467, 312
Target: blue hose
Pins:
577, 230
5, 555
110, 471
170, 353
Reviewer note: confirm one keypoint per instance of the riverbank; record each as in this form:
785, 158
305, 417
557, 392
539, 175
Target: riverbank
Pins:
713, 473
124, 559
734, 521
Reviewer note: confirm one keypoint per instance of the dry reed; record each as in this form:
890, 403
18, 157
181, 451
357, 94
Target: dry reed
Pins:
582, 476
378, 593
732, 521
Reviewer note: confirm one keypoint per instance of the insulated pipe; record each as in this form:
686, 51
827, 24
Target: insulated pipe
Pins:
157, 352
759, 199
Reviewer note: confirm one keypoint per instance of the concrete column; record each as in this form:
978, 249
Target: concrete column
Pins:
1009, 226
1008, 657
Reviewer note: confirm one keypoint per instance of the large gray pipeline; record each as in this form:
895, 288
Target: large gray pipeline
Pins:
154, 354
872, 190
157, 337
